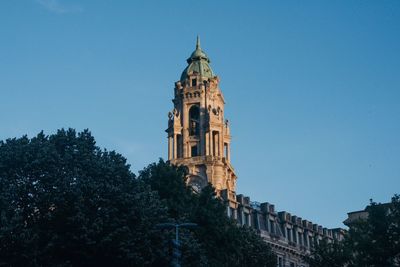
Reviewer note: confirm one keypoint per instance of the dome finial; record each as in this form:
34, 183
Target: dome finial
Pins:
198, 63
198, 42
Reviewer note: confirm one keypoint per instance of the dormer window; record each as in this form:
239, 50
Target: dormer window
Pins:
194, 82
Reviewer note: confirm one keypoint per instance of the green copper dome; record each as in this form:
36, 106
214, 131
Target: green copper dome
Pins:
198, 62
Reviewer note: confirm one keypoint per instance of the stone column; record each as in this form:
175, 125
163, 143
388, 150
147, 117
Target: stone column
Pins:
185, 122
219, 144
228, 152
210, 143
202, 114
175, 146
207, 143
170, 144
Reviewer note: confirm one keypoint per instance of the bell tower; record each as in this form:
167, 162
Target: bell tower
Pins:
198, 133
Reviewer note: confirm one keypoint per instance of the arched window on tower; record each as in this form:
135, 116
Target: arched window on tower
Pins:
194, 120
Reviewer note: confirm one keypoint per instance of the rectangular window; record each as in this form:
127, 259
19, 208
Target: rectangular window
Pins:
266, 223
194, 82
233, 213
215, 146
179, 146
194, 151
294, 235
280, 262
272, 228
246, 219
261, 221
213, 143
254, 220
305, 239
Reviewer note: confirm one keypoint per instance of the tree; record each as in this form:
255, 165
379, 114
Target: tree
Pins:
325, 254
375, 240
226, 243
372, 242
218, 241
65, 202
394, 228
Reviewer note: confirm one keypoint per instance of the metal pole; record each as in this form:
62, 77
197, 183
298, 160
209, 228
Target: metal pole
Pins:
176, 258
177, 233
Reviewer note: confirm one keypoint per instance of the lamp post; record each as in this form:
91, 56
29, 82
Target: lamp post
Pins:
176, 244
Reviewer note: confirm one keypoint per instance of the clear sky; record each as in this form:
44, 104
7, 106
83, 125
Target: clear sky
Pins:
312, 88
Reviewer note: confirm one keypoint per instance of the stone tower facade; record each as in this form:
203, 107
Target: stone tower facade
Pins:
198, 133
199, 138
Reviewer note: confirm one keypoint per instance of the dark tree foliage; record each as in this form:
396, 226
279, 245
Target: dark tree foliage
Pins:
375, 241
65, 202
371, 242
218, 241
329, 254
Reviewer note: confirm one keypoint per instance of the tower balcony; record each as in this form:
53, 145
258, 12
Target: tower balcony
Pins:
198, 160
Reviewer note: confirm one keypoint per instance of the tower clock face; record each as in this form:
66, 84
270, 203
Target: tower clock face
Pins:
196, 187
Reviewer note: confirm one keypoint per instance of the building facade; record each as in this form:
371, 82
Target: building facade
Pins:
199, 138
290, 237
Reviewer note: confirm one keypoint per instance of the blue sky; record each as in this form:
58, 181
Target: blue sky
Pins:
312, 87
